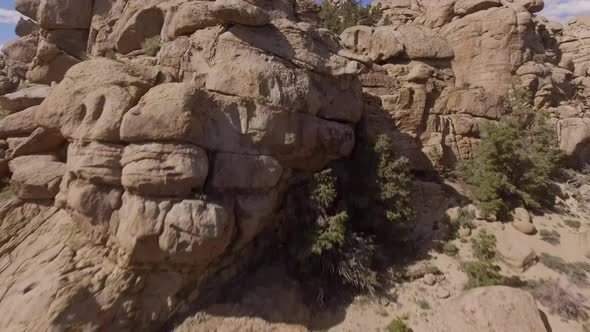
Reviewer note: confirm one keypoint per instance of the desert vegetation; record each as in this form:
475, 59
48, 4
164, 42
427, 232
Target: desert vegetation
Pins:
338, 17
515, 159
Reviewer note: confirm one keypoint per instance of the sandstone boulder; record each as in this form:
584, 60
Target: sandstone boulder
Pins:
25, 98
156, 169
91, 105
522, 221
36, 179
168, 112
423, 43
64, 14
234, 171
19, 124
511, 248
574, 140
240, 12
378, 43
491, 309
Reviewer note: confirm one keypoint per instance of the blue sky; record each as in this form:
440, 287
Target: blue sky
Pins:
554, 9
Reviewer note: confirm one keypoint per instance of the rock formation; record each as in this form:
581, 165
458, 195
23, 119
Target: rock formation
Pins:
443, 69
143, 174
137, 176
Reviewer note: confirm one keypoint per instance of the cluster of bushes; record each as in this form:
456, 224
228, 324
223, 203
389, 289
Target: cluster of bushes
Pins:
356, 208
515, 160
338, 17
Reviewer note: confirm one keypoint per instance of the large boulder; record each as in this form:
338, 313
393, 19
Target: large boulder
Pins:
574, 140
489, 45
36, 178
64, 14
24, 98
492, 309
156, 169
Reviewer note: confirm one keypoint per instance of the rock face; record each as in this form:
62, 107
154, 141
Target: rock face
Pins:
452, 73
495, 308
161, 169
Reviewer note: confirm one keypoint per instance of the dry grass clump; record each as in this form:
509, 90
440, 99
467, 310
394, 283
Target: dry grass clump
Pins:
575, 271
151, 46
561, 301
553, 237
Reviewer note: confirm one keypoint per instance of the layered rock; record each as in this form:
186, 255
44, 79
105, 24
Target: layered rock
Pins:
164, 169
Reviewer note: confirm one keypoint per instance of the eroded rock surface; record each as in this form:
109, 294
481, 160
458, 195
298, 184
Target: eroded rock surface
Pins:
157, 171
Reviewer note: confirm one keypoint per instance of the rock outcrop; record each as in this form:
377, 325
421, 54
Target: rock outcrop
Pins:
453, 72
155, 172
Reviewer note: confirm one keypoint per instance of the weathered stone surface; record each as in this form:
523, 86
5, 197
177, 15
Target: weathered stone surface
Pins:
64, 14
574, 140
145, 23
585, 243
378, 43
36, 179
168, 112
40, 141
27, 7
486, 49
522, 221
95, 162
155, 169
496, 308
25, 27
465, 7
19, 124
190, 17
25, 98
422, 43
90, 104
234, 171
240, 12
512, 249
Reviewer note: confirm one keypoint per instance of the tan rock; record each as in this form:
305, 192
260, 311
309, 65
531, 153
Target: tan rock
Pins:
422, 43
466, 7
490, 309
37, 179
64, 14
574, 140
25, 98
145, 23
95, 162
168, 112
522, 221
235, 171
585, 243
91, 105
240, 12
27, 7
156, 169
512, 249
19, 124
40, 141
378, 43
190, 17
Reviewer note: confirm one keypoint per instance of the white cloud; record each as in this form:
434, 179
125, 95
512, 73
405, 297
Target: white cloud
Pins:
562, 10
9, 16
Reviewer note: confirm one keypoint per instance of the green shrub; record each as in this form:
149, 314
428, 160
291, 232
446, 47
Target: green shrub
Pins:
398, 325
484, 246
151, 46
328, 251
552, 236
514, 161
350, 13
486, 273
423, 304
395, 182
450, 249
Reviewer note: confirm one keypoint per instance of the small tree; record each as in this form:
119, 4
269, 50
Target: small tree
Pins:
515, 159
338, 17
